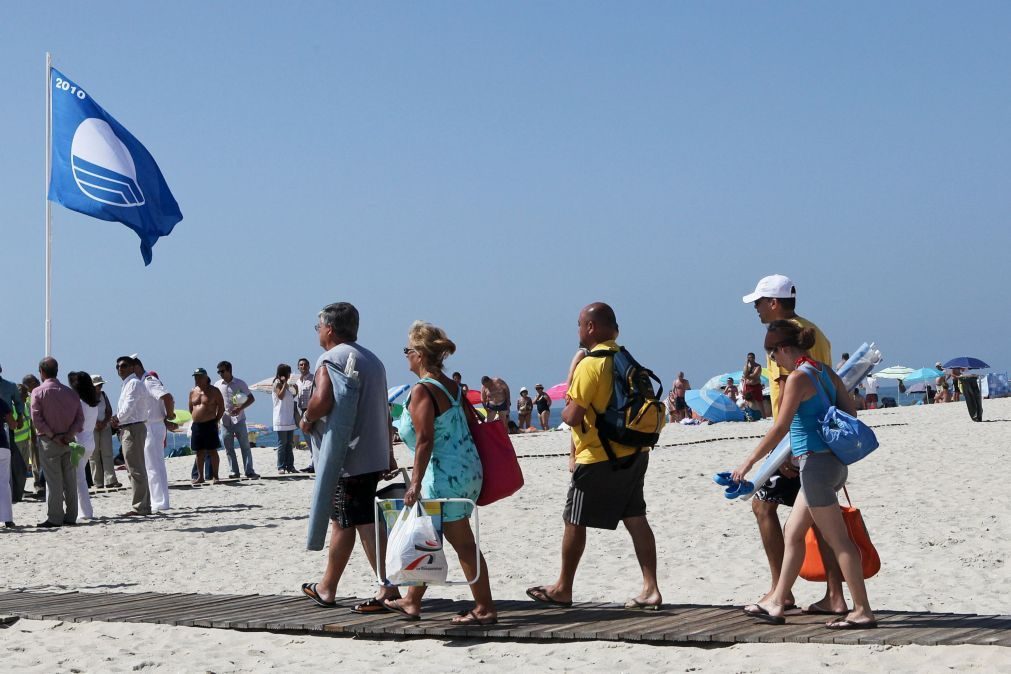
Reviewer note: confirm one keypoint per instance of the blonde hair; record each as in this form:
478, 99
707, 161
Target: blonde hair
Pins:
431, 342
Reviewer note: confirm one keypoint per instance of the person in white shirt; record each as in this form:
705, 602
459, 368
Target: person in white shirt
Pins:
871, 392
131, 421
237, 398
91, 404
283, 397
161, 406
304, 385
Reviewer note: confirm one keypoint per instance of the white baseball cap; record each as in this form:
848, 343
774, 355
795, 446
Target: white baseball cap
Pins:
776, 286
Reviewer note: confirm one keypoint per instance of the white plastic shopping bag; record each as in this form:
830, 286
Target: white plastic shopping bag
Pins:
414, 550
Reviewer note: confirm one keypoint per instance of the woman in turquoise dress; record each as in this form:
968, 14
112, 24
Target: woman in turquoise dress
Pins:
446, 465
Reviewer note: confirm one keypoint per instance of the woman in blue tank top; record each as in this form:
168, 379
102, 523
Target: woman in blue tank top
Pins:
821, 473
446, 465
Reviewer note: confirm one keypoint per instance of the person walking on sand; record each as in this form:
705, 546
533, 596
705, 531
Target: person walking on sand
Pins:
822, 474
524, 409
207, 406
131, 421
775, 298
57, 417
600, 496
349, 501
237, 397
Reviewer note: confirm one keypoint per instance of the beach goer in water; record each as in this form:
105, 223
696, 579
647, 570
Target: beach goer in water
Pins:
599, 496
730, 390
304, 385
496, 399
446, 465
751, 380
90, 407
775, 298
821, 474
543, 404
102, 468
206, 407
352, 508
6, 502
237, 397
283, 398
57, 417
131, 422
680, 387
161, 407
524, 409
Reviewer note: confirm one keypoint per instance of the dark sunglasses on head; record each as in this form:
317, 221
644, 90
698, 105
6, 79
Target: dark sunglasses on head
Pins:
408, 350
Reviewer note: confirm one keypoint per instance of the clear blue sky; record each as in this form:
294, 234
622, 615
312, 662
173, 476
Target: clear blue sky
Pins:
492, 167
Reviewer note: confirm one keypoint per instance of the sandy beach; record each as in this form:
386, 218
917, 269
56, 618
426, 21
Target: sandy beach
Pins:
941, 531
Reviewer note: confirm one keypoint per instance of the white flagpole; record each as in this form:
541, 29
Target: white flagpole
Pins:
49, 213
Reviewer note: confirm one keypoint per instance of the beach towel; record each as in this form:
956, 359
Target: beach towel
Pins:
331, 436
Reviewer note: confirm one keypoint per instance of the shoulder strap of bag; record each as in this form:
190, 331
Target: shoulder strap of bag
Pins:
811, 373
848, 501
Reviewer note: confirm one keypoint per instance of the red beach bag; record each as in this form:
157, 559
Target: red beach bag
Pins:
813, 568
502, 474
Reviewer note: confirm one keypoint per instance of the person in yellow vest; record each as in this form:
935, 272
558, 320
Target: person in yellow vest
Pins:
775, 298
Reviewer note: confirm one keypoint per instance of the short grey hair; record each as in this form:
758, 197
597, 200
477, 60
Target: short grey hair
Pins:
342, 317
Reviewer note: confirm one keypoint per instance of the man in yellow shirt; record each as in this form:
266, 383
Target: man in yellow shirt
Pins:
600, 494
775, 298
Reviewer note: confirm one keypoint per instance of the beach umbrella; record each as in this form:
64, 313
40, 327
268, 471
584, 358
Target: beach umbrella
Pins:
395, 392
713, 405
925, 375
893, 372
474, 396
558, 391
966, 363
264, 386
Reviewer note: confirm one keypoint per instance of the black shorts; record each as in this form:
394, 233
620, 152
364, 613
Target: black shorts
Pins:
600, 497
204, 436
680, 404
354, 502
780, 489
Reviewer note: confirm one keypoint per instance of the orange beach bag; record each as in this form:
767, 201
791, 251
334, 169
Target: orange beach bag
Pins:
814, 570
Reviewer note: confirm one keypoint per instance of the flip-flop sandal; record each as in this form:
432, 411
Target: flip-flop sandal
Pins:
309, 590
636, 605
545, 598
752, 612
852, 625
817, 610
400, 609
371, 606
470, 619
765, 616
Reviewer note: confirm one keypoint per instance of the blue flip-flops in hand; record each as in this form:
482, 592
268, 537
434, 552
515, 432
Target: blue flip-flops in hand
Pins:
733, 489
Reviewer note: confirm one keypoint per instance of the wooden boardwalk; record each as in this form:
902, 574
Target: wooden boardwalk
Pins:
518, 620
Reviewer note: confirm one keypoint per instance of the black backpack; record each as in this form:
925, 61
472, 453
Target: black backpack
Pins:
635, 413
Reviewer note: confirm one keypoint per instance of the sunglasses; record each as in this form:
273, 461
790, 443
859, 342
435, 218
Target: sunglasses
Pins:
771, 350
408, 350
222, 371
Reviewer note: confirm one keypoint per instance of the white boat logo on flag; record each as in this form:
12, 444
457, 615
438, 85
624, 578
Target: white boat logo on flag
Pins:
102, 165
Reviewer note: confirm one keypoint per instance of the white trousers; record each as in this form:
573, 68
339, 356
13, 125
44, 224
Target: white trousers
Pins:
6, 508
83, 497
154, 457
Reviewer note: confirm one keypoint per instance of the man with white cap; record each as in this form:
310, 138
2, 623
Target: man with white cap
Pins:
775, 298
160, 407
103, 470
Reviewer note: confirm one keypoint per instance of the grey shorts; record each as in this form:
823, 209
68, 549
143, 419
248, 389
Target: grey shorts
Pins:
821, 476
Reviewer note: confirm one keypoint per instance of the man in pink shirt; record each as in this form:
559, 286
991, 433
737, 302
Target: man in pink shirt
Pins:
58, 418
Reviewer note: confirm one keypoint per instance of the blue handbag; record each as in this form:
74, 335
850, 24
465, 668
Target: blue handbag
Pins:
849, 438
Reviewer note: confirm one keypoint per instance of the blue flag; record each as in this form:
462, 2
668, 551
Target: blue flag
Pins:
101, 170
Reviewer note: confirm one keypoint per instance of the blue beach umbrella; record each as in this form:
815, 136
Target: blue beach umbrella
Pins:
720, 380
966, 363
395, 392
713, 405
925, 375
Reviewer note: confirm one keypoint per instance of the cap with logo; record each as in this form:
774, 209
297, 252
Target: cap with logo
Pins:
776, 286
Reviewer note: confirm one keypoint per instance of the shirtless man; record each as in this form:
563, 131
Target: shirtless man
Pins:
752, 382
496, 399
207, 406
681, 386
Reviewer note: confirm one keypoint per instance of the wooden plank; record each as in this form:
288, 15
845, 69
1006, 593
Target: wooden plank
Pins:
168, 605
229, 614
116, 602
665, 629
187, 613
